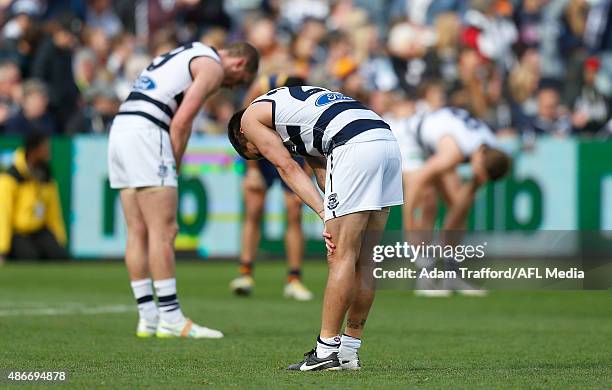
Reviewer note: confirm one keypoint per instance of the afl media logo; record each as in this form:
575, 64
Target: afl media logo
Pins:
332, 201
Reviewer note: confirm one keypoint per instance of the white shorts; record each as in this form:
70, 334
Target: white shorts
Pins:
140, 155
363, 176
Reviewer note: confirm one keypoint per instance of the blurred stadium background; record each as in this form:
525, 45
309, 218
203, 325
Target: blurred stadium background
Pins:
538, 71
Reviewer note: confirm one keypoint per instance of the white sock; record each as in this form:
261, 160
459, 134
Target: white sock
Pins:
169, 308
143, 292
349, 346
327, 346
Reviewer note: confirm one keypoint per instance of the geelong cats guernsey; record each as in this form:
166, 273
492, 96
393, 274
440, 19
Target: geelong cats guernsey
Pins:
159, 90
312, 121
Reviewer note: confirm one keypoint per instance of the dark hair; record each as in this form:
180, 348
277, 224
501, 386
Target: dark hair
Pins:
497, 163
294, 81
237, 139
248, 52
33, 140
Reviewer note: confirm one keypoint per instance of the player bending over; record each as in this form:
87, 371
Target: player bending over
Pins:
357, 164
260, 176
147, 141
433, 145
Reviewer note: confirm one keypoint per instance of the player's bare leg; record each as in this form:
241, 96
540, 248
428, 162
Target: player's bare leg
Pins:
459, 196
294, 247
136, 261
422, 231
347, 232
158, 207
136, 247
254, 201
364, 297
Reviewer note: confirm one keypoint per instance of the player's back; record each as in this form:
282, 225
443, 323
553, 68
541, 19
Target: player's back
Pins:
159, 90
467, 131
311, 121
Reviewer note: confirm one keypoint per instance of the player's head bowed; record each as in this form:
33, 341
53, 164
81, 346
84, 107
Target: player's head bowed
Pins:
490, 164
240, 63
245, 149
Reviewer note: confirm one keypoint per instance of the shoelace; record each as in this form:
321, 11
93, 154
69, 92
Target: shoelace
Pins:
312, 351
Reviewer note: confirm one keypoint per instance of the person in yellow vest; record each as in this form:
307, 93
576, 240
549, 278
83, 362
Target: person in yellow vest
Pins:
31, 223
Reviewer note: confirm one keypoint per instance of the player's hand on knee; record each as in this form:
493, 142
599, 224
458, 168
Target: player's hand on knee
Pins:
329, 244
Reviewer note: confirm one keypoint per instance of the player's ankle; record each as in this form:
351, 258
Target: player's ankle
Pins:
327, 345
169, 307
246, 268
349, 346
294, 275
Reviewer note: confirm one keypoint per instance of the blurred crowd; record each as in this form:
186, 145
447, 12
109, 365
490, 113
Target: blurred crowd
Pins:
526, 67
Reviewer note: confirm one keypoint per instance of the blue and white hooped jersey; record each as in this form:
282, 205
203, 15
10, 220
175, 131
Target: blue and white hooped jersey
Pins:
467, 131
311, 121
159, 90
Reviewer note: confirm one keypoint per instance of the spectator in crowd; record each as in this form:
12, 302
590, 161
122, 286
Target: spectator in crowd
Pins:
407, 46
10, 92
100, 14
19, 32
550, 118
97, 115
591, 108
31, 222
85, 69
53, 65
34, 116
489, 55
441, 58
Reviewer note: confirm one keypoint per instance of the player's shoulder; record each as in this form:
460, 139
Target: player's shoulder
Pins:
205, 66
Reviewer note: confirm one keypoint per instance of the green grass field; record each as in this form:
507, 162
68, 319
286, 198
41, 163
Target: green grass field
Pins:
48, 321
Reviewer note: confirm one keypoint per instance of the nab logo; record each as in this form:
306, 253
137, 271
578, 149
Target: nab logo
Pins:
144, 83
329, 98
332, 201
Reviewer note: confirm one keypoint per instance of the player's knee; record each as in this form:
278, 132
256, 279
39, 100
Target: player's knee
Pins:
341, 256
137, 231
254, 214
168, 233
173, 230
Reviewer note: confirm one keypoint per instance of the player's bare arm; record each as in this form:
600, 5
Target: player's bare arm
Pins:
208, 76
447, 157
256, 125
318, 166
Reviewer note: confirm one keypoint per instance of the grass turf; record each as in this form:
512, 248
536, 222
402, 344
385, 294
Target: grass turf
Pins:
505, 340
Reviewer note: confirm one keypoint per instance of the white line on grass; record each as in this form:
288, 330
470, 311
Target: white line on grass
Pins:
67, 310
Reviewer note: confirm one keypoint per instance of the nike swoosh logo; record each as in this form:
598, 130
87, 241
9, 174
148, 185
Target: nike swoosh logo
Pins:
306, 367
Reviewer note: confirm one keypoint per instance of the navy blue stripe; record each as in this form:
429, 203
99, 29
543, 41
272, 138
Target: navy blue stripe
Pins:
141, 96
173, 309
167, 298
179, 99
355, 128
327, 116
168, 304
294, 136
150, 117
144, 299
